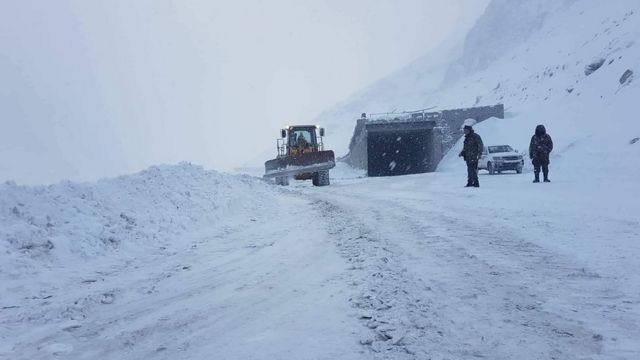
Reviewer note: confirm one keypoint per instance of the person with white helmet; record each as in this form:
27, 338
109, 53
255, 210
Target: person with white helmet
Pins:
471, 153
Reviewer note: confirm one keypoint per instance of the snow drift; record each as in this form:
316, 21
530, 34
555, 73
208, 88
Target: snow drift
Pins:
61, 225
172, 262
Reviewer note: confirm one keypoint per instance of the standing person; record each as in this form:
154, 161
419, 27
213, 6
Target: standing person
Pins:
471, 153
539, 150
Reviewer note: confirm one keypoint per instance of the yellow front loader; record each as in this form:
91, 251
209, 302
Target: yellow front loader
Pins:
301, 156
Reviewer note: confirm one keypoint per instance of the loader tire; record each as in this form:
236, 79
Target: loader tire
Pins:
282, 180
321, 178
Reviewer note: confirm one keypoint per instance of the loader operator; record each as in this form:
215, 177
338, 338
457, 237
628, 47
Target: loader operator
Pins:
302, 142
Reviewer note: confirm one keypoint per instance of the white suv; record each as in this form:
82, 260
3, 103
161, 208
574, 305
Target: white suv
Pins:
498, 158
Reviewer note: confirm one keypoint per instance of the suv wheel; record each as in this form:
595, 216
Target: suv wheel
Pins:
490, 168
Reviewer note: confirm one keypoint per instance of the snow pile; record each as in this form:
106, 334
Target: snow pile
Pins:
174, 262
60, 225
343, 171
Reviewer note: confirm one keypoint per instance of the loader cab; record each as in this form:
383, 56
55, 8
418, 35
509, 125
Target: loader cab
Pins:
303, 139
302, 136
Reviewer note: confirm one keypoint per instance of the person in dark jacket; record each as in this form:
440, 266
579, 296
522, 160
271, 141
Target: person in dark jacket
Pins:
539, 150
471, 153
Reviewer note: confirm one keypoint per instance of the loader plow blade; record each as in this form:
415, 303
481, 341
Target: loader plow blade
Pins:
300, 164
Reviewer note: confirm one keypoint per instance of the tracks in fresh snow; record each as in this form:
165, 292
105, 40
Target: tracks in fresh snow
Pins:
431, 283
385, 299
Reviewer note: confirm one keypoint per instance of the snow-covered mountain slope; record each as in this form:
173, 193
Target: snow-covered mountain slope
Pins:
505, 25
540, 58
575, 75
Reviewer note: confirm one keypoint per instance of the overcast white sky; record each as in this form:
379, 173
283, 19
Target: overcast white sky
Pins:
93, 88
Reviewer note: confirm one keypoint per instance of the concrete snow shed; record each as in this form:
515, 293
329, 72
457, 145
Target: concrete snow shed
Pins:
411, 142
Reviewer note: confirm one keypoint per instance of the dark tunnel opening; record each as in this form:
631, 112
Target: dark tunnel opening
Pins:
399, 152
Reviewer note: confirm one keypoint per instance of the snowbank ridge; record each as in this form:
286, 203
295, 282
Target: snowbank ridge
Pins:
130, 214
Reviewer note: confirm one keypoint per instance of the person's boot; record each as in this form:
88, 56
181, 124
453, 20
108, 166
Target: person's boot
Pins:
476, 185
537, 178
546, 177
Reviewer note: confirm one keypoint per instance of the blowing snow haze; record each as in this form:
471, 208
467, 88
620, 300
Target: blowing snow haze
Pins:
93, 89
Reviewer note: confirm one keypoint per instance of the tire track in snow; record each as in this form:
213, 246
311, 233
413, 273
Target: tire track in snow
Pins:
447, 288
383, 298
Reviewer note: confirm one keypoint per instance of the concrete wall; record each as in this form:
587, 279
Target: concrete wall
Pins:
451, 121
357, 156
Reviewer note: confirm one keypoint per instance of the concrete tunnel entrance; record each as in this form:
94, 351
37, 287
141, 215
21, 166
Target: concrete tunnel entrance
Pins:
400, 148
409, 142
399, 152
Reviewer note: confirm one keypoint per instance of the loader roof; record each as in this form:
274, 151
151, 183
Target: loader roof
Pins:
301, 126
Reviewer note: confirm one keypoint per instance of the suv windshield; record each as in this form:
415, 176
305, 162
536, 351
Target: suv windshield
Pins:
500, 149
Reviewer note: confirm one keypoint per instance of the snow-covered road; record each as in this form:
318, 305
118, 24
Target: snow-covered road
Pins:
412, 267
510, 270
